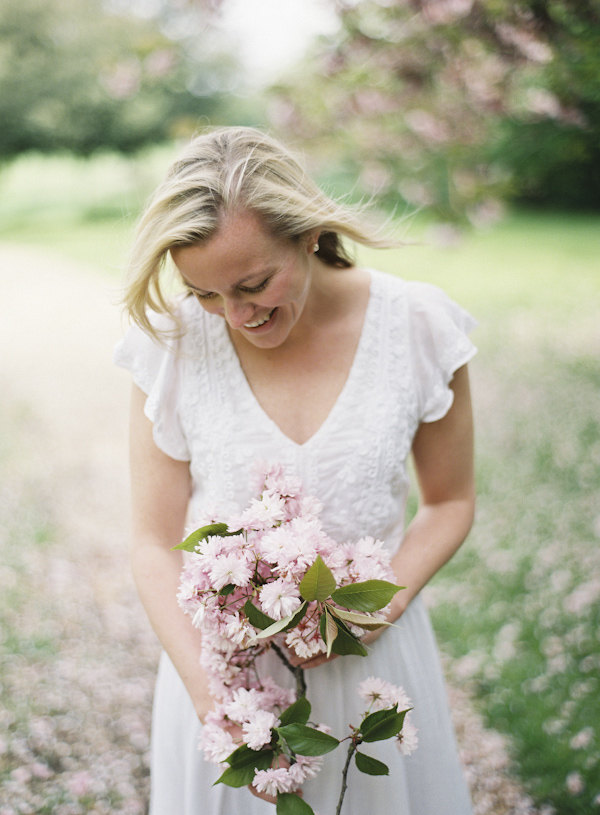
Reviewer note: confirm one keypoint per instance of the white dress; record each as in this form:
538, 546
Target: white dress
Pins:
203, 410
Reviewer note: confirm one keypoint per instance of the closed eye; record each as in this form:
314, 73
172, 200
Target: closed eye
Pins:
201, 296
248, 289
255, 289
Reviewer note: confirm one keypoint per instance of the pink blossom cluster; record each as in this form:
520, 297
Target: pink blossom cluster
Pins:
278, 537
381, 695
248, 717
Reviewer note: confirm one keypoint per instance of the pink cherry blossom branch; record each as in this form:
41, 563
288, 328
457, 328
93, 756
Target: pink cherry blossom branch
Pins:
295, 669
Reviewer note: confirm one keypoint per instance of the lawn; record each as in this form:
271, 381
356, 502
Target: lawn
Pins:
517, 611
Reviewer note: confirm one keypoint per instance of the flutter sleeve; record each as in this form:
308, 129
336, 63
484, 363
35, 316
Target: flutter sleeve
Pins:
439, 345
158, 372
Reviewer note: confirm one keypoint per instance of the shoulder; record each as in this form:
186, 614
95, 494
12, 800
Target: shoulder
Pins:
414, 298
422, 303
143, 352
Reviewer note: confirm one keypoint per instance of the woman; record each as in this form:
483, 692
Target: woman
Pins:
281, 349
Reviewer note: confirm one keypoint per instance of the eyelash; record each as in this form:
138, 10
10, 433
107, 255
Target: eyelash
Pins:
255, 290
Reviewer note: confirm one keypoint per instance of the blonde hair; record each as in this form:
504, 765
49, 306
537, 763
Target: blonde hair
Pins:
221, 171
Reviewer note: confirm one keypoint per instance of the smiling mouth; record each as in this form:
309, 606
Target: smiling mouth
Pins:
258, 323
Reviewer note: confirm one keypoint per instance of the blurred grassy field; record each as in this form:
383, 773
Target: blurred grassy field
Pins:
517, 610
84, 209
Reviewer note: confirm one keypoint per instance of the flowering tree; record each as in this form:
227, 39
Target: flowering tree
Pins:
84, 76
455, 104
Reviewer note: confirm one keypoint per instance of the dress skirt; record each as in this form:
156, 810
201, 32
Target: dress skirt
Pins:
428, 782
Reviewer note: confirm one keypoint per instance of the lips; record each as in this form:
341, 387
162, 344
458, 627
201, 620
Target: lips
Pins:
258, 323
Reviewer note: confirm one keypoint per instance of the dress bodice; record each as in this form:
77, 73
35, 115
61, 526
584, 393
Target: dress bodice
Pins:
413, 339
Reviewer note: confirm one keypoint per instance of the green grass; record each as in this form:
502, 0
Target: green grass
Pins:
535, 261
82, 209
517, 608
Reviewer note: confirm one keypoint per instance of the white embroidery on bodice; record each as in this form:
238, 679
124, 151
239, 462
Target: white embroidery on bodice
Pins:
355, 463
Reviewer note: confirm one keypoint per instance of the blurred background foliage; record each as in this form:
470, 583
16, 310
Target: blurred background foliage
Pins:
452, 106
456, 105
88, 75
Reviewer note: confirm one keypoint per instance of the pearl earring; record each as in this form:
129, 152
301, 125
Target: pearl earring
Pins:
315, 247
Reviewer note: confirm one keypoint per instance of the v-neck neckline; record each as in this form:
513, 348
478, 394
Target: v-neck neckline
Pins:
242, 384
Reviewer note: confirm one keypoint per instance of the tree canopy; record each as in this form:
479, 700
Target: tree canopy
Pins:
81, 75
455, 104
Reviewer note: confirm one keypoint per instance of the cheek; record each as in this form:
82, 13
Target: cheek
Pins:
289, 289
213, 305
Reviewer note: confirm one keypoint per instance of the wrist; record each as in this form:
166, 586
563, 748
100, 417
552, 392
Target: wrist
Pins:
203, 707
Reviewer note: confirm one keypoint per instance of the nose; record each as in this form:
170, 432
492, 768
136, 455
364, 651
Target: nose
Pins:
237, 313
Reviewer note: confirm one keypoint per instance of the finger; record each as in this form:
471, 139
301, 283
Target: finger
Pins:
314, 662
271, 799
294, 660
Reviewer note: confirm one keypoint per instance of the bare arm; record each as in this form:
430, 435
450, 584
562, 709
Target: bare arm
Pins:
160, 494
443, 456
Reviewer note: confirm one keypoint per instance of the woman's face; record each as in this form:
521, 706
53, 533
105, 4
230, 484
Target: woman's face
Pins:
258, 283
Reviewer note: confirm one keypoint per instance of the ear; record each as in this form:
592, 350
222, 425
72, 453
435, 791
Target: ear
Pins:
312, 241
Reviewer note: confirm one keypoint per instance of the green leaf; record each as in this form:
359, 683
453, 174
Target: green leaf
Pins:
374, 718
378, 727
306, 741
256, 617
241, 773
346, 643
280, 625
318, 582
328, 629
217, 530
240, 756
227, 590
297, 713
371, 766
358, 619
288, 803
368, 596
298, 615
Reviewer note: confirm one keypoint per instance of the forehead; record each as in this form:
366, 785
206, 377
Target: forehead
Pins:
241, 249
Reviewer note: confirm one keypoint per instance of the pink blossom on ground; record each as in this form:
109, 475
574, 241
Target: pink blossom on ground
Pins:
39, 770
80, 784
583, 599
22, 775
575, 783
582, 739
